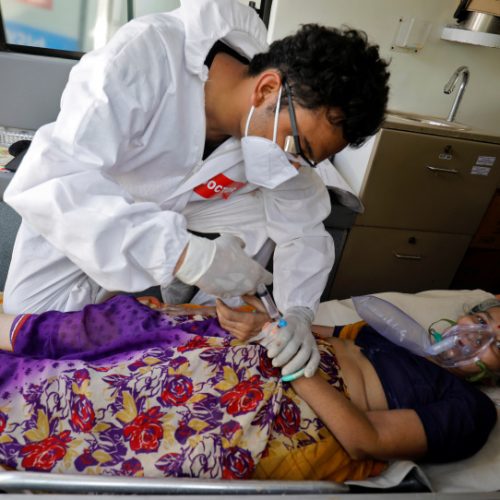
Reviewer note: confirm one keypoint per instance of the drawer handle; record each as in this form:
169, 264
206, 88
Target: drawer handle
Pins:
407, 256
443, 170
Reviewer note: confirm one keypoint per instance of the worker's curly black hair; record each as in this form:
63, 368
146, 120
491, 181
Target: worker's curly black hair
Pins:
333, 68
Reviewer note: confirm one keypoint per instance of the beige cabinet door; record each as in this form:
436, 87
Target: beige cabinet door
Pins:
379, 260
429, 183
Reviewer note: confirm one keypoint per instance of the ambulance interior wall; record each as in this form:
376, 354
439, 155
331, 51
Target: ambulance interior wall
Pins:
30, 89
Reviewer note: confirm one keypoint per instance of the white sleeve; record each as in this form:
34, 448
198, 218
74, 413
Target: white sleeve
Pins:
64, 187
304, 253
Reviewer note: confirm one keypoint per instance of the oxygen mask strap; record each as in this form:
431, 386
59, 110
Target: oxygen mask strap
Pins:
485, 373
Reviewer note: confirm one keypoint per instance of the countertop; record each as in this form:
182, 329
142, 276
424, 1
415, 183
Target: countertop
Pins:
411, 122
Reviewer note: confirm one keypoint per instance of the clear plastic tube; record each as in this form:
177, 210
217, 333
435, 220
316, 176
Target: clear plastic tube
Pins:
268, 301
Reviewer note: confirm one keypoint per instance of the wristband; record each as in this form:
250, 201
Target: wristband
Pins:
293, 376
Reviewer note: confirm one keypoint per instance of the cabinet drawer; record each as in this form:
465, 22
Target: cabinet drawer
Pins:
379, 259
428, 182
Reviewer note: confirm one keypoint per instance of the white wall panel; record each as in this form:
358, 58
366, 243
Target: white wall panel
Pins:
417, 79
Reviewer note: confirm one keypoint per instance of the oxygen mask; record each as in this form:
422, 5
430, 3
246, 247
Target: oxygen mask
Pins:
460, 344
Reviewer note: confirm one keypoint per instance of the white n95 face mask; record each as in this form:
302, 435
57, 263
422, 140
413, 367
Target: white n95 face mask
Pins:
266, 164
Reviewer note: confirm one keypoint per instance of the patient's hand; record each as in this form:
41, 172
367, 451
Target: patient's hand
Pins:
6, 321
243, 325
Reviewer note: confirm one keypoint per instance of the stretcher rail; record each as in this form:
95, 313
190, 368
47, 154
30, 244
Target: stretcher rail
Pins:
73, 483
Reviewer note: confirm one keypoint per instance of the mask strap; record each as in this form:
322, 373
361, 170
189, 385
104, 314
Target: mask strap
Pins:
438, 336
484, 373
277, 114
249, 117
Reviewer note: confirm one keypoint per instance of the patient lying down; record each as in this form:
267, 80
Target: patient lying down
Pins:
121, 389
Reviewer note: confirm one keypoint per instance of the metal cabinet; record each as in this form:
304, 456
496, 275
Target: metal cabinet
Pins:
424, 182
379, 259
424, 196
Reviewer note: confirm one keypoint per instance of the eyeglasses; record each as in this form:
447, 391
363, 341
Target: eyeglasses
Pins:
292, 142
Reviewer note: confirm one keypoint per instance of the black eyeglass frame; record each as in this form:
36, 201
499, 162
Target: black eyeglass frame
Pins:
293, 123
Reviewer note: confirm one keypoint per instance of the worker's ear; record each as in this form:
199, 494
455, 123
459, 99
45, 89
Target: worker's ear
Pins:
267, 84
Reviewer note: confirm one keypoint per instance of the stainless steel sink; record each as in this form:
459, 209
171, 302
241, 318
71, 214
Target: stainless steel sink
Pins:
426, 120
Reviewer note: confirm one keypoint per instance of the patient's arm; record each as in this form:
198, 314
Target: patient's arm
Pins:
6, 321
243, 325
381, 434
322, 331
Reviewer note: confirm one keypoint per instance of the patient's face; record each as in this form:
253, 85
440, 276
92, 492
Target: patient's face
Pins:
491, 356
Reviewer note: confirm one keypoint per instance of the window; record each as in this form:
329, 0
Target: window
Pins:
69, 28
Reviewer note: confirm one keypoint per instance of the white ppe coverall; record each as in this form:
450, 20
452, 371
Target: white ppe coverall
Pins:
108, 191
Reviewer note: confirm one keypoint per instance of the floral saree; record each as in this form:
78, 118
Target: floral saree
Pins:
121, 389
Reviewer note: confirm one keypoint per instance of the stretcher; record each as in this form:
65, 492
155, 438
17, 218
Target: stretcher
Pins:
44, 485
479, 474
68, 483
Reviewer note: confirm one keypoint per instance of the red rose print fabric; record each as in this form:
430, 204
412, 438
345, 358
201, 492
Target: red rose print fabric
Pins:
193, 403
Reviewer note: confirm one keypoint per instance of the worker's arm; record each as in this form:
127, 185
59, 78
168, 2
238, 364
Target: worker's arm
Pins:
382, 434
72, 187
303, 258
304, 253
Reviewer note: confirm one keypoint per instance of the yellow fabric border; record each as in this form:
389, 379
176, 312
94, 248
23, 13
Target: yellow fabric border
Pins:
325, 460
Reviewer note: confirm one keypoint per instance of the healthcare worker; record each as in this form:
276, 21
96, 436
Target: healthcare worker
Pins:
186, 123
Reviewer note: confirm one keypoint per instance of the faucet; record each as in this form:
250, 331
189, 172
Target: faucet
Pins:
463, 72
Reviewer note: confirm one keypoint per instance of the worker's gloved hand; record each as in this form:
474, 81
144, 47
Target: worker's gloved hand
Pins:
294, 347
220, 267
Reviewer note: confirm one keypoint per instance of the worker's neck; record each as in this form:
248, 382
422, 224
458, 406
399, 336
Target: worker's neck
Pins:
227, 98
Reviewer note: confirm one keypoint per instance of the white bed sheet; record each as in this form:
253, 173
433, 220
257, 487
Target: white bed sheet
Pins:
479, 473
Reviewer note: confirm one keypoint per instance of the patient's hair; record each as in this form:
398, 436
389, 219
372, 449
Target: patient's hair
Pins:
332, 68
484, 306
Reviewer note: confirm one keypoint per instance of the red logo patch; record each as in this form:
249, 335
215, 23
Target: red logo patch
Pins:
220, 186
